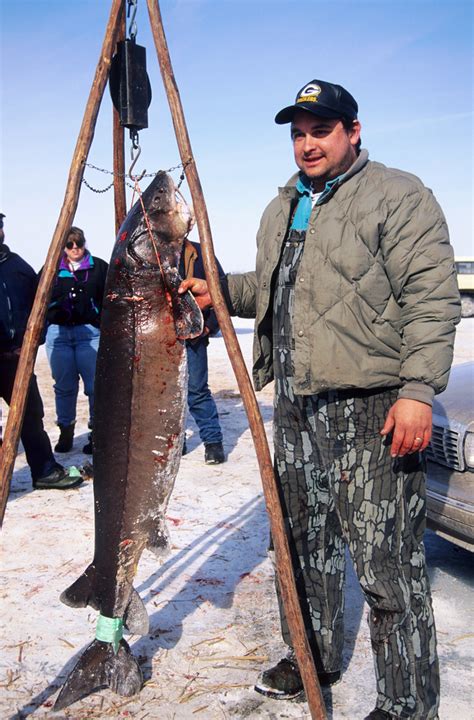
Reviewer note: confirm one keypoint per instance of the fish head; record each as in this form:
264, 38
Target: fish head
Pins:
167, 211
156, 226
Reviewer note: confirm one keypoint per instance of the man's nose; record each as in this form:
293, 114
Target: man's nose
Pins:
309, 143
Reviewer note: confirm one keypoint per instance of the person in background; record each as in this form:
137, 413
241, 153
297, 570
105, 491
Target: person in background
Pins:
18, 283
355, 303
72, 335
201, 404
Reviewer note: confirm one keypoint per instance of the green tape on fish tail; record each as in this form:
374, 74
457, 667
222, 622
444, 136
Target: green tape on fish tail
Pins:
109, 630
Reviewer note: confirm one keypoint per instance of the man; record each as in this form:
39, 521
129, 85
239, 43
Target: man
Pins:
201, 404
17, 292
356, 302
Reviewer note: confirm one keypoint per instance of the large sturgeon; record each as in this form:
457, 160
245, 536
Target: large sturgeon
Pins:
140, 400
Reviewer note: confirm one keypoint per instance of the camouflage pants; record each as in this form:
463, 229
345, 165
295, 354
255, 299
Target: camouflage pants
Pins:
340, 486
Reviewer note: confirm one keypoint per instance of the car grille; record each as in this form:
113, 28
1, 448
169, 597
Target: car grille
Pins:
445, 448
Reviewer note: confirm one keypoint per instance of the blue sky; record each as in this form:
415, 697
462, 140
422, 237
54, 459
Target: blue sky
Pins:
237, 62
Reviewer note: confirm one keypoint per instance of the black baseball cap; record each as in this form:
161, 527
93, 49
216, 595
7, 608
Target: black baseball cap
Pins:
323, 99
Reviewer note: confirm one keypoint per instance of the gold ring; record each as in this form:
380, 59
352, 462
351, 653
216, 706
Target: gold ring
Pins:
418, 440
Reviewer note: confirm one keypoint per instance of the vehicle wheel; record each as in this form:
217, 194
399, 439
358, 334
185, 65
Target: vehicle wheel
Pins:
467, 306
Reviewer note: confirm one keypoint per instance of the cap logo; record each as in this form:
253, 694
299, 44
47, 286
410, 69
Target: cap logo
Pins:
309, 93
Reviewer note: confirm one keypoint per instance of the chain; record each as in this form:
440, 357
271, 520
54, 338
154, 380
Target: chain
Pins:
98, 190
124, 175
132, 28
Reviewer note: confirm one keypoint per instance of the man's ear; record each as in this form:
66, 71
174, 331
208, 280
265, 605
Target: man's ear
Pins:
354, 132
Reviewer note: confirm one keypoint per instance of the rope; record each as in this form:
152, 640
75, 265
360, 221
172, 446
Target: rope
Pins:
136, 189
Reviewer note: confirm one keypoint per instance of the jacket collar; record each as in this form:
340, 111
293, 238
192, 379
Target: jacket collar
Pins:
87, 262
289, 191
189, 256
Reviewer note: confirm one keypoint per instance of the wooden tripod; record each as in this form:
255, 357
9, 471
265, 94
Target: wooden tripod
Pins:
114, 32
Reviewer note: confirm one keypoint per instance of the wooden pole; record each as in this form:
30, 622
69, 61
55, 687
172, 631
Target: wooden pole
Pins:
120, 201
38, 312
277, 525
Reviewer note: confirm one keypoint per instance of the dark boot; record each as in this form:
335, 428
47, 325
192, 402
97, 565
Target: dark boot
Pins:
59, 479
283, 681
88, 447
66, 437
214, 454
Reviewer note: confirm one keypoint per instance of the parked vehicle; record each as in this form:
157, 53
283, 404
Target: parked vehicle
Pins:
465, 276
450, 476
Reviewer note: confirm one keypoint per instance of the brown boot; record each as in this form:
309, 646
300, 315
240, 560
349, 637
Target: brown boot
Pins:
66, 437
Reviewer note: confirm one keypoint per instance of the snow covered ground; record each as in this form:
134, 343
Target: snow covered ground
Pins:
213, 615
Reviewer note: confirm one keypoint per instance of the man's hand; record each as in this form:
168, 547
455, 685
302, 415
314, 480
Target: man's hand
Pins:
200, 291
410, 421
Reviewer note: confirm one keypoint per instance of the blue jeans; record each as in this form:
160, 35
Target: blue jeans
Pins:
72, 353
200, 401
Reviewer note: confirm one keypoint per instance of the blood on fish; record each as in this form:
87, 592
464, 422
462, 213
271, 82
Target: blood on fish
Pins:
171, 440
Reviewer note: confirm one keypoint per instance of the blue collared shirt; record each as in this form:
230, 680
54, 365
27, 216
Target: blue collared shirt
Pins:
305, 204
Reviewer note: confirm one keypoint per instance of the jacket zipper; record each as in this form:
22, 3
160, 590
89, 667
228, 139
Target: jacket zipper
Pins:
11, 329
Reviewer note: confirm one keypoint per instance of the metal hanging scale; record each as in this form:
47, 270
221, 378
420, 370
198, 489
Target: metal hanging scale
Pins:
129, 84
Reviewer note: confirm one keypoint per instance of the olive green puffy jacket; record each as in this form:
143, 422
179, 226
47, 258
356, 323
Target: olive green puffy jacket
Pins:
376, 300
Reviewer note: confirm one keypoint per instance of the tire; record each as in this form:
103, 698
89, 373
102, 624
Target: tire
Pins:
467, 305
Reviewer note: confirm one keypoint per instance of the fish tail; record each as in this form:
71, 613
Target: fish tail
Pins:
100, 666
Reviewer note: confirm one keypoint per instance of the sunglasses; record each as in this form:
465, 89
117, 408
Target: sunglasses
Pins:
78, 243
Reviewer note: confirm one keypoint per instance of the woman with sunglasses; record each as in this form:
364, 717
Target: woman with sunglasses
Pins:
72, 336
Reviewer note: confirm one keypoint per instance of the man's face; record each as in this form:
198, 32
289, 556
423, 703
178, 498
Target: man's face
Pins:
323, 148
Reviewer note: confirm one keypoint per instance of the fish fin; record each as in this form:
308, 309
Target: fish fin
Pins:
188, 319
135, 618
159, 540
159, 551
81, 593
187, 315
99, 666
